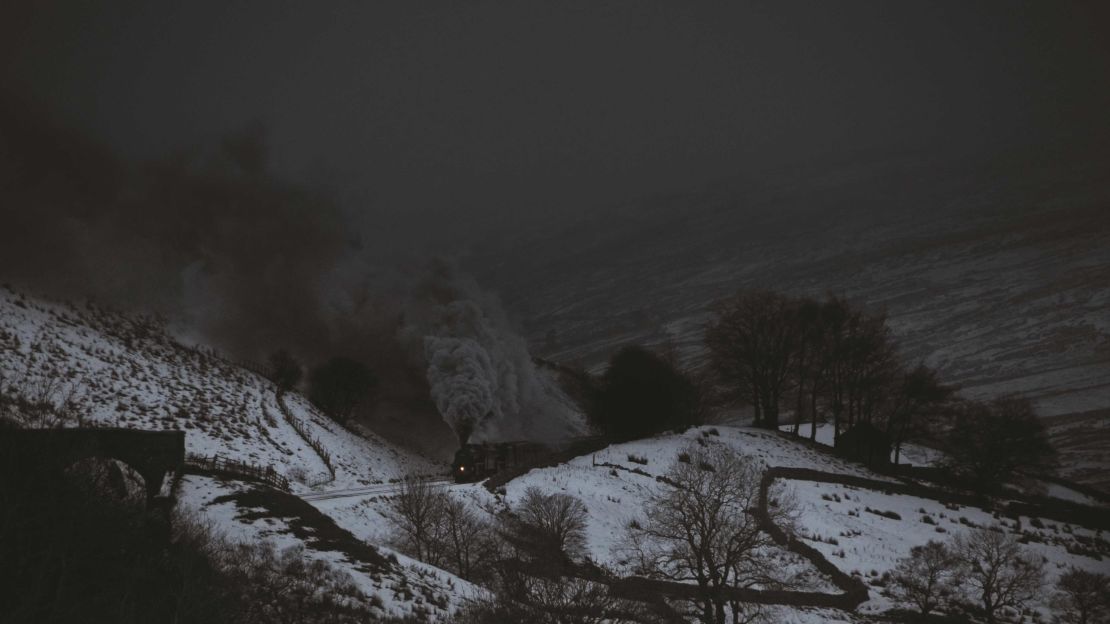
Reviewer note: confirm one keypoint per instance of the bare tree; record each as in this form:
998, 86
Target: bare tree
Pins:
752, 341
917, 393
571, 600
418, 511
470, 544
1083, 597
928, 577
989, 442
548, 525
810, 362
862, 363
553, 600
438, 528
999, 574
703, 528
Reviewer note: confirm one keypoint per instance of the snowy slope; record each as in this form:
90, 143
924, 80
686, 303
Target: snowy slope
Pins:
613, 495
98, 367
616, 482
395, 585
850, 537
835, 520
116, 370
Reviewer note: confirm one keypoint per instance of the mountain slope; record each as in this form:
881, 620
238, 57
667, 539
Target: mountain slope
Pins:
105, 368
67, 365
998, 277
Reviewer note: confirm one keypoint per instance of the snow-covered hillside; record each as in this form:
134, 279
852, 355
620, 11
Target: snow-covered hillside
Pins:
95, 367
616, 482
865, 532
109, 369
611, 494
1003, 285
395, 585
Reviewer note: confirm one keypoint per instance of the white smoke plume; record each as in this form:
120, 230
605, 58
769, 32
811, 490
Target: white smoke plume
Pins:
481, 376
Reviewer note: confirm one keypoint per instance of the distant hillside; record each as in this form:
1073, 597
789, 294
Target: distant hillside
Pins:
997, 276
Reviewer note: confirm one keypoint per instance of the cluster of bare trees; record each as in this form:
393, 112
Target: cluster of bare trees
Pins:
547, 600
988, 571
814, 356
830, 359
643, 393
531, 556
259, 584
438, 528
989, 442
703, 529
442, 529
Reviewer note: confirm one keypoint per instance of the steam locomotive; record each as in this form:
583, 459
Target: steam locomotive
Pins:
475, 462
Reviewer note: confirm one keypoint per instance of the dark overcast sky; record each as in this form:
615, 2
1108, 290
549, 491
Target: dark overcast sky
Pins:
455, 112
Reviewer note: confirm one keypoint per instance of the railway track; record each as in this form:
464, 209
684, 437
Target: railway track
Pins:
378, 489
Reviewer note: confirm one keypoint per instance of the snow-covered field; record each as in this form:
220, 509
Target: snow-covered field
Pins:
616, 496
398, 587
614, 491
835, 520
116, 370
613, 496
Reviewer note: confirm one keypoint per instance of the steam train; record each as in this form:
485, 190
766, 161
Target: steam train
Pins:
475, 462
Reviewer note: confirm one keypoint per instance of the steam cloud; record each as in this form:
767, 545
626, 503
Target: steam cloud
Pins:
251, 263
481, 376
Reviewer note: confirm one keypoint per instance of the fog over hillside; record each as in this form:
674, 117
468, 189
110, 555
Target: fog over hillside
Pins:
996, 274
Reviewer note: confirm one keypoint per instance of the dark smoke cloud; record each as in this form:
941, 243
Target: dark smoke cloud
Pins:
205, 236
238, 258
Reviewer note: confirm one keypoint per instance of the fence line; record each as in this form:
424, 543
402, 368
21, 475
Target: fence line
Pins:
260, 368
302, 430
239, 469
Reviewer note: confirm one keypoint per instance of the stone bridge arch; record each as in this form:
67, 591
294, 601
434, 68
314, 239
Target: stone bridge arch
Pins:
152, 454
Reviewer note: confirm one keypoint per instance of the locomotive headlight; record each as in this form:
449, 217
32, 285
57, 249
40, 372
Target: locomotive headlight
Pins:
462, 468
